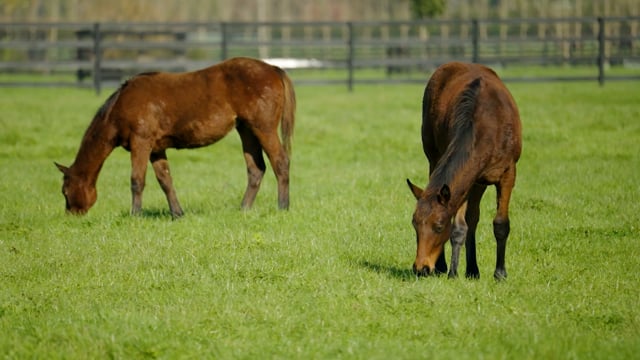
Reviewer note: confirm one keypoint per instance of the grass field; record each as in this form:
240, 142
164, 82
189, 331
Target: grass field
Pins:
330, 278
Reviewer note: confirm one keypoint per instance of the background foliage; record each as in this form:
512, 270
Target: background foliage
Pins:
302, 10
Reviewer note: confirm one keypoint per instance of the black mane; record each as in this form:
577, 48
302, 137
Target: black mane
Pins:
460, 147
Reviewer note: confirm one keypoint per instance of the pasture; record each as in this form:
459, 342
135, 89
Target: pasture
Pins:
330, 278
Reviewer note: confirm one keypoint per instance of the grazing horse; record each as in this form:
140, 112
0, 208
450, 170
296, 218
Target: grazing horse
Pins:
155, 111
471, 135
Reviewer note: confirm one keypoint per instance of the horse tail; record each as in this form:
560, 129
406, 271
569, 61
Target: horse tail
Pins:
288, 113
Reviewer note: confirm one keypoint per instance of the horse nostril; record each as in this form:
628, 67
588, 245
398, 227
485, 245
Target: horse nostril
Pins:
416, 271
425, 271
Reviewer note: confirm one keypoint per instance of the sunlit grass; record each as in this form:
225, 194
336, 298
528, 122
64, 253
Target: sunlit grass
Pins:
331, 277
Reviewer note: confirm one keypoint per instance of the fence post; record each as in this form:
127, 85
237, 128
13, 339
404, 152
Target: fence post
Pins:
350, 59
475, 36
225, 42
97, 58
601, 44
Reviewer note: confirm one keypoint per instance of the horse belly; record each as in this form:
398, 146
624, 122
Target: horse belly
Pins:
493, 174
196, 134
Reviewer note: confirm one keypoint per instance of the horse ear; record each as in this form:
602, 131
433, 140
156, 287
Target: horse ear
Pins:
444, 195
417, 192
63, 169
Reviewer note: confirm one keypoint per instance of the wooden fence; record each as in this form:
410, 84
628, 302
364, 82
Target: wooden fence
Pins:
98, 54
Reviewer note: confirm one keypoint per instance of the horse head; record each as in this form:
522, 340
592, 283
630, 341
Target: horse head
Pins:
432, 222
79, 196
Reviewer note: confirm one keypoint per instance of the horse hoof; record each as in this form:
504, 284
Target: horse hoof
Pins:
500, 275
472, 276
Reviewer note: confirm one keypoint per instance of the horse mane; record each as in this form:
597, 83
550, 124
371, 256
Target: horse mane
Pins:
100, 117
461, 144
148, 73
105, 109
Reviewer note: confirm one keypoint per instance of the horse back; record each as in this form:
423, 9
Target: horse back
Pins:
492, 110
194, 109
252, 87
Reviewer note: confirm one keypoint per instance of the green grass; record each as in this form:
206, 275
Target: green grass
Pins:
331, 277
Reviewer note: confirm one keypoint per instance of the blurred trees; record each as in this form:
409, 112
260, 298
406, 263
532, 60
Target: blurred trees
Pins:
302, 10
424, 9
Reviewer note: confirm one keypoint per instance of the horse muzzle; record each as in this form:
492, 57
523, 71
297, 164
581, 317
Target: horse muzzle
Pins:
423, 271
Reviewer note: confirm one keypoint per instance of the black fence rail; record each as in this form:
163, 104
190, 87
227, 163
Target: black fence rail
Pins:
99, 54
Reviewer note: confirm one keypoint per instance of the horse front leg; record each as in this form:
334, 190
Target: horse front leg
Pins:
441, 263
473, 217
458, 235
163, 175
501, 224
139, 158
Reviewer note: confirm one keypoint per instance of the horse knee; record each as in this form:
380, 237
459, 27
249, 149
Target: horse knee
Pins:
137, 186
501, 229
459, 234
255, 178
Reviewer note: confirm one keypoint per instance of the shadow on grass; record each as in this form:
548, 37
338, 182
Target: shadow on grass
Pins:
394, 272
153, 214
194, 210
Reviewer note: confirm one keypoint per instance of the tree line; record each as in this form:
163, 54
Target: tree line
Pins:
302, 10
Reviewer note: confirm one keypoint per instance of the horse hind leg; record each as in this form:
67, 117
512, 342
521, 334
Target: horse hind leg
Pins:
458, 235
279, 162
163, 175
255, 163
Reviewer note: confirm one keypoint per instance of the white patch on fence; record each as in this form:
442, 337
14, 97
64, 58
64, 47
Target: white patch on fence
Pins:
291, 63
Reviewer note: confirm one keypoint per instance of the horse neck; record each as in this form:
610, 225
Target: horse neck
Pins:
94, 150
459, 171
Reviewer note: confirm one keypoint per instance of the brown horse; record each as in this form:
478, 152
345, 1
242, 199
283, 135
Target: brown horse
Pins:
155, 111
471, 135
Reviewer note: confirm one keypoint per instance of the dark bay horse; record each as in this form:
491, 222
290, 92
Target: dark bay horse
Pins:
471, 135
155, 111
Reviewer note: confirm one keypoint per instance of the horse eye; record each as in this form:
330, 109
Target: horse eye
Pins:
438, 229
